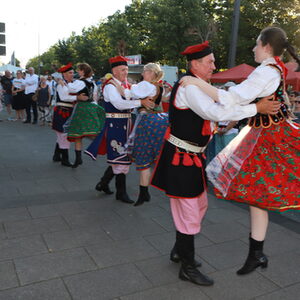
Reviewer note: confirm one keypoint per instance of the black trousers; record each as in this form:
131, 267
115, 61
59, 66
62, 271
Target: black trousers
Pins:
31, 104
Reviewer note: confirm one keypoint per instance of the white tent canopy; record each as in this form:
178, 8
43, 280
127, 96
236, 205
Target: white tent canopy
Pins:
9, 67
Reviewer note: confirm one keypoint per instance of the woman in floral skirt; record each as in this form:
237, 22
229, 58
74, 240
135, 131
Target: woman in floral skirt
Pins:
88, 117
150, 128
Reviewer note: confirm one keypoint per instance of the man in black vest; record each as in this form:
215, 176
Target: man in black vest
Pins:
180, 171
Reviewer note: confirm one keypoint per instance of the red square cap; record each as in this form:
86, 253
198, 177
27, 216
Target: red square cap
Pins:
65, 68
118, 61
197, 51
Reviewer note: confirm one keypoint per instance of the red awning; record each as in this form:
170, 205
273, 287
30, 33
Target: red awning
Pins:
236, 74
293, 79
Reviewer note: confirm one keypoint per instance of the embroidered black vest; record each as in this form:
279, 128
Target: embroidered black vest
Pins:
184, 123
265, 121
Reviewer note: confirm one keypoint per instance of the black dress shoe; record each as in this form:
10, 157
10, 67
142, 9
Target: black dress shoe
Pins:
192, 274
174, 257
27, 122
34, 122
253, 262
66, 163
101, 187
124, 198
143, 196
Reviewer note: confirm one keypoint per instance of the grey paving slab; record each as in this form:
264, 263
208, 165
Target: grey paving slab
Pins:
14, 214
35, 226
213, 202
8, 277
229, 286
2, 232
220, 215
50, 185
21, 247
175, 291
163, 242
48, 290
9, 190
283, 269
100, 203
280, 242
121, 252
225, 231
48, 266
107, 283
290, 293
96, 219
225, 255
75, 238
42, 211
28, 188
166, 223
147, 210
131, 228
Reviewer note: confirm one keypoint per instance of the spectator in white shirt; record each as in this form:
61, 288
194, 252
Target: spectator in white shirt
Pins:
31, 85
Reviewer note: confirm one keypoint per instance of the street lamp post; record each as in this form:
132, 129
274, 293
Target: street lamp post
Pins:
234, 33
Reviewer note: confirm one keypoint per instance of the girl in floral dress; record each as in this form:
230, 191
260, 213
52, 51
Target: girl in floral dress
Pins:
261, 166
88, 117
150, 127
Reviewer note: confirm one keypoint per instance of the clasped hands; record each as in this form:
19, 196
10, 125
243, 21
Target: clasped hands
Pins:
148, 103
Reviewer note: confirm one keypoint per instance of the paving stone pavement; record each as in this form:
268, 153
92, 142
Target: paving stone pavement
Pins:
60, 239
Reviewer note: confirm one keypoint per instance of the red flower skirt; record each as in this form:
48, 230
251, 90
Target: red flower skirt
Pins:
269, 177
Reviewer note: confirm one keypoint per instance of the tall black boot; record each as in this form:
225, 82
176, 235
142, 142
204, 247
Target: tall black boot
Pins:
174, 256
188, 271
256, 258
78, 159
143, 196
121, 189
57, 154
102, 185
65, 158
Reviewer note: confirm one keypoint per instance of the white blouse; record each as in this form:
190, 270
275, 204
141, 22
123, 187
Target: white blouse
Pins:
192, 97
262, 82
112, 95
141, 90
72, 87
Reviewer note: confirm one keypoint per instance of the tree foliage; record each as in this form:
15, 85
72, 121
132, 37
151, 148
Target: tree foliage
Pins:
161, 29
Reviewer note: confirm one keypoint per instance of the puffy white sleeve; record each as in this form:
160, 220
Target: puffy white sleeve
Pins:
63, 92
262, 82
142, 90
76, 86
208, 109
111, 94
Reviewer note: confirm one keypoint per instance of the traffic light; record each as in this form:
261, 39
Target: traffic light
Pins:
2, 39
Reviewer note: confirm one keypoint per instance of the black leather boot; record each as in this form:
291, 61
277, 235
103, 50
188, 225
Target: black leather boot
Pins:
121, 189
175, 257
143, 196
102, 185
189, 272
256, 258
57, 154
65, 158
78, 159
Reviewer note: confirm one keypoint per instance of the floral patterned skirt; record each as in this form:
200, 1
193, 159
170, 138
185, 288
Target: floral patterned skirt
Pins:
148, 139
270, 177
87, 120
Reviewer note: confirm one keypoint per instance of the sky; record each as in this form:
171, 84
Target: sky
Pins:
33, 26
